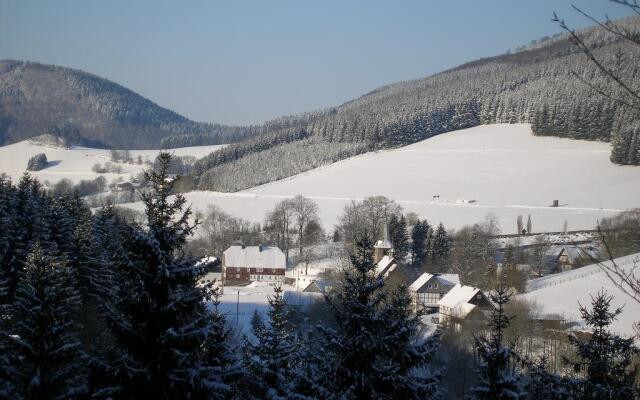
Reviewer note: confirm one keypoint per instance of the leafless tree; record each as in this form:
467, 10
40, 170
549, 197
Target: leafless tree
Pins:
304, 212
279, 223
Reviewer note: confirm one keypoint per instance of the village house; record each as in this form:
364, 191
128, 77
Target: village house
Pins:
319, 286
428, 289
244, 264
570, 257
462, 303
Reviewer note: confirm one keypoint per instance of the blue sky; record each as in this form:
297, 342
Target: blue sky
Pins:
241, 62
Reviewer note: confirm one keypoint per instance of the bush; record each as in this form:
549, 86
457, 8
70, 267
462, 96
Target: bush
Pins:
37, 162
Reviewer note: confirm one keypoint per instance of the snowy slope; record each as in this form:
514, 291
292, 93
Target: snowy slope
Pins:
504, 168
76, 163
562, 293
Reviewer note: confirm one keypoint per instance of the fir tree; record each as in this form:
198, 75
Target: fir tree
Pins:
270, 359
499, 379
440, 245
220, 359
43, 357
158, 316
606, 358
542, 384
399, 236
374, 351
419, 236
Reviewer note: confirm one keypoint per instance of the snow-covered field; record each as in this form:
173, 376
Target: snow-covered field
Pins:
500, 169
562, 293
504, 168
75, 163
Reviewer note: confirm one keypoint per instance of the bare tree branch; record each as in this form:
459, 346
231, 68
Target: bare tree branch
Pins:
585, 49
633, 6
611, 27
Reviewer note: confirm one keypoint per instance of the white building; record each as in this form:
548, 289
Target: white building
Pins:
254, 264
460, 303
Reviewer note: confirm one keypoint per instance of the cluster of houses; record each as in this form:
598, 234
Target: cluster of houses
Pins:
445, 301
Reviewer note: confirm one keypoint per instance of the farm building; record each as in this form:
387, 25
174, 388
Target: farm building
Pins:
254, 264
428, 289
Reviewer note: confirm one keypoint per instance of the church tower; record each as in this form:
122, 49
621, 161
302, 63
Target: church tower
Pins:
383, 247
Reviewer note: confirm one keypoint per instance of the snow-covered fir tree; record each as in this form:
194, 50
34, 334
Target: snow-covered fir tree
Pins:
374, 351
606, 358
269, 359
158, 317
43, 359
419, 244
440, 245
399, 235
499, 378
219, 357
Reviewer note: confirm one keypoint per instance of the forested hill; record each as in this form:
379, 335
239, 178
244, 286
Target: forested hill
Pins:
36, 99
534, 84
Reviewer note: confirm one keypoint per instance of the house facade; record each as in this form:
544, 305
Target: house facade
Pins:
462, 303
428, 289
242, 264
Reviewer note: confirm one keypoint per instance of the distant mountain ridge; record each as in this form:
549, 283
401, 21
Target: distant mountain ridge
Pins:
37, 99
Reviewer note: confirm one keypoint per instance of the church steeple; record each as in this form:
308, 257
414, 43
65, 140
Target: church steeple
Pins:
383, 247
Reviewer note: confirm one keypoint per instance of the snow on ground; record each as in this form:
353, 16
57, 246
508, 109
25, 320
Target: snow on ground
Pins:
75, 163
504, 168
562, 293
239, 303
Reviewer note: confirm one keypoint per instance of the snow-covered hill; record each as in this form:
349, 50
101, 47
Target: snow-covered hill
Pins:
499, 169
562, 293
75, 163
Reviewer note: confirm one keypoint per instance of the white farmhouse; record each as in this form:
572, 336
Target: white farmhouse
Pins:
253, 264
460, 303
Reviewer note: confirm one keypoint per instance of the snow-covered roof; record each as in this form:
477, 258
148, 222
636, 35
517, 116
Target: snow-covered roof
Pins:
384, 244
418, 283
255, 257
574, 252
444, 279
301, 299
386, 265
458, 294
322, 284
451, 279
